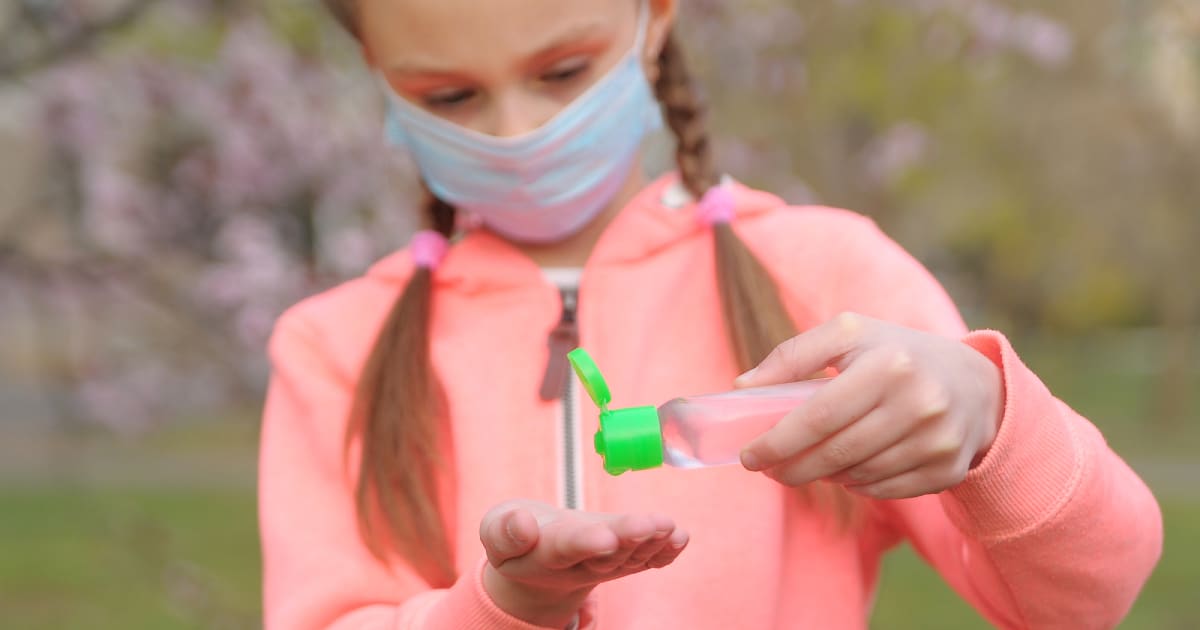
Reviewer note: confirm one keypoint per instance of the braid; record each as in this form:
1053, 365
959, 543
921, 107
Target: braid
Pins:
343, 11
685, 114
756, 319
397, 414
755, 316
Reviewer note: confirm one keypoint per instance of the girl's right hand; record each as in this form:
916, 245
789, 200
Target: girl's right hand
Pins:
543, 561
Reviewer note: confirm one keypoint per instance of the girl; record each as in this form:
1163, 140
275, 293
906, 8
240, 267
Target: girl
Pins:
421, 457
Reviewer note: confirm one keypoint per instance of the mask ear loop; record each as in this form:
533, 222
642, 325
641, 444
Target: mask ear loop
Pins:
643, 28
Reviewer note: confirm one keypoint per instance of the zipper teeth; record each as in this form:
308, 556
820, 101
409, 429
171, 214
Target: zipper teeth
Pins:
570, 494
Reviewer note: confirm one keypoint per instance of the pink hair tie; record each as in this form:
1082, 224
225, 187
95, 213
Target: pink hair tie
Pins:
428, 249
716, 206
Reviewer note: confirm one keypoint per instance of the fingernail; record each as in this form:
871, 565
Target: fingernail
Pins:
512, 535
606, 554
750, 461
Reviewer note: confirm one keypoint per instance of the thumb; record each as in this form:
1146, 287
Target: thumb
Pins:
508, 533
808, 353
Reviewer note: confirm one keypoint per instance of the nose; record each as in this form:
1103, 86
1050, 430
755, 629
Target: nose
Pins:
515, 114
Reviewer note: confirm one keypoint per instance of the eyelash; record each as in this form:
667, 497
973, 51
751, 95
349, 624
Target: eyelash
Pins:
449, 100
565, 74
457, 98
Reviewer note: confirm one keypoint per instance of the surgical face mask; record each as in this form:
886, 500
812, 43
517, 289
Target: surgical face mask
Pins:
547, 184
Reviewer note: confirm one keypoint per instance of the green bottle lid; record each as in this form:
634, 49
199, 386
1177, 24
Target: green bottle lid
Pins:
629, 438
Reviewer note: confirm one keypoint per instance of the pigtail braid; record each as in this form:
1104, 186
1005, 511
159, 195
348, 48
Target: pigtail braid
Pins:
756, 319
754, 313
396, 418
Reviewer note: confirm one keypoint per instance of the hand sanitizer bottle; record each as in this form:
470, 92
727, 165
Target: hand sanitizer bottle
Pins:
688, 432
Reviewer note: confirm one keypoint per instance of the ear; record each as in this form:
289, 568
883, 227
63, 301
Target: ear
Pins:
662, 20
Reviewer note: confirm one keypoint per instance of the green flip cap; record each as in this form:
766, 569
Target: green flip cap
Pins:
628, 439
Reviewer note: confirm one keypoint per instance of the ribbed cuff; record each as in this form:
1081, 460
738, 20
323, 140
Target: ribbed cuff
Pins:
469, 607
1034, 464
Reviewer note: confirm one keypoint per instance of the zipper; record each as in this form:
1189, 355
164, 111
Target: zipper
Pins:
558, 385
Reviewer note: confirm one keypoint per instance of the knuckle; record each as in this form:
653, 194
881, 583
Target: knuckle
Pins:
838, 455
848, 322
786, 353
945, 445
820, 415
900, 361
849, 327
933, 400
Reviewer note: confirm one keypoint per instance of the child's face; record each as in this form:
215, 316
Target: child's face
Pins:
503, 67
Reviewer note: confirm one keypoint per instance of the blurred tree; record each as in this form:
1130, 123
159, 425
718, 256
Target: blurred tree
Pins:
185, 205
1171, 45
210, 162
40, 33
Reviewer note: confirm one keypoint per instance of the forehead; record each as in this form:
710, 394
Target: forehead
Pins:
463, 31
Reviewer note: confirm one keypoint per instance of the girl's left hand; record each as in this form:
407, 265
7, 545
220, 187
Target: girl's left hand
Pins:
908, 414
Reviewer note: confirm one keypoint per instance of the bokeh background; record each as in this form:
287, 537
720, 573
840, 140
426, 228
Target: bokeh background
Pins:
174, 174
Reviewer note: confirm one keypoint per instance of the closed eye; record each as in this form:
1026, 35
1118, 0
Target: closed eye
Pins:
448, 98
566, 72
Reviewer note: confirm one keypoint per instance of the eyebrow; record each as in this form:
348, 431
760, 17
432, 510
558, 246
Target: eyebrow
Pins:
578, 32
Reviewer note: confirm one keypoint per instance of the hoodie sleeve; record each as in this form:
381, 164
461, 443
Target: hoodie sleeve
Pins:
317, 572
1051, 529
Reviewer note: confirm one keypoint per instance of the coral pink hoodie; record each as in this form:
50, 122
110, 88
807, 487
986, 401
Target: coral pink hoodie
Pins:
1050, 530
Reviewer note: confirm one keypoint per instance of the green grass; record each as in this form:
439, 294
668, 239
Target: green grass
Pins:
912, 595
163, 534
72, 557
163, 559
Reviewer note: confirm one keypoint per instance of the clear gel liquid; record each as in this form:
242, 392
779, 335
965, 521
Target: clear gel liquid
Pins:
712, 430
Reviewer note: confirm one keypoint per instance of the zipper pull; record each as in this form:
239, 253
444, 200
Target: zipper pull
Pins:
563, 338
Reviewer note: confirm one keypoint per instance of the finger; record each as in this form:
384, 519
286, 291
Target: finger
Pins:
662, 524
508, 533
809, 352
664, 527
676, 543
836, 406
635, 528
915, 483
906, 451
632, 531
846, 451
647, 550
567, 543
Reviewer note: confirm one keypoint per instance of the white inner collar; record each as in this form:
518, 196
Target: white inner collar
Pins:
563, 277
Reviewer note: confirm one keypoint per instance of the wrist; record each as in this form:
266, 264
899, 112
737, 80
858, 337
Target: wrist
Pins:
549, 608
992, 378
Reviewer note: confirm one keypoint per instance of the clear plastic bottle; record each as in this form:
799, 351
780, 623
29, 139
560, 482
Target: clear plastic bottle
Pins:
688, 432
712, 429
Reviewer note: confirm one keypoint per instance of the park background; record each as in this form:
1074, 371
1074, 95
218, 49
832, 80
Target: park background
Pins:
173, 174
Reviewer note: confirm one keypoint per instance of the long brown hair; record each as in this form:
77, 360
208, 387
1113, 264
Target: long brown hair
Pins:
399, 404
